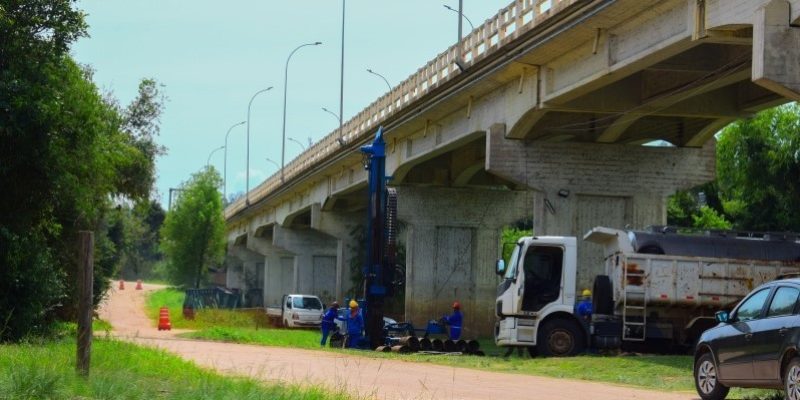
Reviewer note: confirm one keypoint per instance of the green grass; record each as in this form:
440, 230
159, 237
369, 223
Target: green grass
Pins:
206, 318
297, 338
125, 371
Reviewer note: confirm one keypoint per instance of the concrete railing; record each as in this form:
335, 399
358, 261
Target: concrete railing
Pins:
509, 23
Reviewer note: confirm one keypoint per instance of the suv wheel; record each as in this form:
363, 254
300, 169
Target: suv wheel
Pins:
706, 380
791, 379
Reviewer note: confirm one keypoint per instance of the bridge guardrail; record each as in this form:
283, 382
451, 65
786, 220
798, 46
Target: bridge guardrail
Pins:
508, 24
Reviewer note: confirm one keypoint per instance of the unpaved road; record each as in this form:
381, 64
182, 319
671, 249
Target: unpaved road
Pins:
361, 376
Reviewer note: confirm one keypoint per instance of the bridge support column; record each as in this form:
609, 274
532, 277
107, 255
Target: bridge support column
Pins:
314, 260
776, 50
277, 267
245, 268
452, 244
582, 185
343, 228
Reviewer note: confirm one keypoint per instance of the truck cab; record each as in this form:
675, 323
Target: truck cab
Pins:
297, 310
536, 298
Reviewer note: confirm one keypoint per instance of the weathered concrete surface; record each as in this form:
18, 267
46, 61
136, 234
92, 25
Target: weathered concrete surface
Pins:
577, 186
452, 244
776, 61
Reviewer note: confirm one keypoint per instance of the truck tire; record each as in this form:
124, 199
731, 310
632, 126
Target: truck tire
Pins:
560, 338
602, 300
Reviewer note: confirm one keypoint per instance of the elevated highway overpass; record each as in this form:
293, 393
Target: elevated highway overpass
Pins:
545, 122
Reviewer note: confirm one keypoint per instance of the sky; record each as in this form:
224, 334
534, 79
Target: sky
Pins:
212, 56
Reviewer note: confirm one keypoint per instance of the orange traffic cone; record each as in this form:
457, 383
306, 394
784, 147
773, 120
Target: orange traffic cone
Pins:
163, 320
121, 284
139, 284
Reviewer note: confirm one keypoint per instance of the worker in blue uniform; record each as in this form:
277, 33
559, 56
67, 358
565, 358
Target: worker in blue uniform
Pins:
355, 324
584, 307
455, 320
328, 324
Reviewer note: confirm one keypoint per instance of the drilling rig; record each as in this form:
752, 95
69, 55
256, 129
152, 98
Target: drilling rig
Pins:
379, 266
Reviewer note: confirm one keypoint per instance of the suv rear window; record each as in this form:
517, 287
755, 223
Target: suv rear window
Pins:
783, 302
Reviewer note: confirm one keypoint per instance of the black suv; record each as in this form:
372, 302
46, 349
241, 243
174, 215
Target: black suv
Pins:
754, 346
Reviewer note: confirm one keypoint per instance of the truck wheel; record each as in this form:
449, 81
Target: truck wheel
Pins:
706, 379
602, 300
285, 323
559, 338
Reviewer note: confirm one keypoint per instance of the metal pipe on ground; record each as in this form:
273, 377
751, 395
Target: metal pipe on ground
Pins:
461, 345
437, 345
384, 349
411, 341
402, 349
450, 346
473, 346
425, 344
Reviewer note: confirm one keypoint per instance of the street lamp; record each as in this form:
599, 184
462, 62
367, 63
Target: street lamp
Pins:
225, 163
285, 82
457, 12
273, 163
247, 173
331, 113
208, 161
382, 77
298, 142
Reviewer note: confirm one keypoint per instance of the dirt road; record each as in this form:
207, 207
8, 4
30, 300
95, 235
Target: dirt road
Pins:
361, 376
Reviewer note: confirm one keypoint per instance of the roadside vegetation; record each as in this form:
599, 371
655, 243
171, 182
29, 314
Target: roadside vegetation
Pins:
126, 371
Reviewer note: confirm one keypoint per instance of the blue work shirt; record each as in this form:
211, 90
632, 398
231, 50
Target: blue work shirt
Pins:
455, 322
328, 317
584, 309
355, 324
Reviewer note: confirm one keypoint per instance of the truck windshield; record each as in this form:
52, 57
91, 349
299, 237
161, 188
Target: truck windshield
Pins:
511, 271
306, 303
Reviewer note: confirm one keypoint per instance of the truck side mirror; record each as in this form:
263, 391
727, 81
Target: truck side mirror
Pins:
501, 267
722, 316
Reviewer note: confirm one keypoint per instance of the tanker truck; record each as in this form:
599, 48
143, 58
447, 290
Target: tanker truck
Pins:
659, 290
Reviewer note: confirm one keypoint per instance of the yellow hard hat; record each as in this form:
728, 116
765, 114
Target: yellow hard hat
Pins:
586, 293
353, 304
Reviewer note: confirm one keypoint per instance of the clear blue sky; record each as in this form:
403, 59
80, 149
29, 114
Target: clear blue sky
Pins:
212, 56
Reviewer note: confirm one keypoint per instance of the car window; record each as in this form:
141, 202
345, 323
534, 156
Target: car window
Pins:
306, 303
289, 302
783, 302
751, 308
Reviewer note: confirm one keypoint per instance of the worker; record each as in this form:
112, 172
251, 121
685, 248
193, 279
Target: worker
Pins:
584, 307
455, 321
328, 323
355, 324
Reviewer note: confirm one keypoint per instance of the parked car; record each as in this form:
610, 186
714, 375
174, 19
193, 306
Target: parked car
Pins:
754, 346
296, 310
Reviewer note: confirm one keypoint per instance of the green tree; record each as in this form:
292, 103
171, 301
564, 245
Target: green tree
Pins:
758, 170
193, 234
66, 151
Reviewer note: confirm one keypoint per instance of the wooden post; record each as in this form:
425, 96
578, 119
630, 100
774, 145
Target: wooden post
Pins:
85, 279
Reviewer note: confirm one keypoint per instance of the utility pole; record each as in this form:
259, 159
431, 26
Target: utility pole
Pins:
85, 277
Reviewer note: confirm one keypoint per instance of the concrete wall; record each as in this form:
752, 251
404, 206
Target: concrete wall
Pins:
452, 244
578, 186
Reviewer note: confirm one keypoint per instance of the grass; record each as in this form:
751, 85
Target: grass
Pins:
206, 318
297, 338
125, 371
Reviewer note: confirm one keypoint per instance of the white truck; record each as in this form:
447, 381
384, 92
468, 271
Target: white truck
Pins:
660, 289
296, 310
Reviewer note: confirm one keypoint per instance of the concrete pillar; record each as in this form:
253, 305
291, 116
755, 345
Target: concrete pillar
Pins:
341, 227
243, 265
578, 186
452, 244
776, 50
278, 267
314, 263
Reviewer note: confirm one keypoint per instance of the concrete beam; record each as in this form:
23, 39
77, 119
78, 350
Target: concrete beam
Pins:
776, 50
705, 134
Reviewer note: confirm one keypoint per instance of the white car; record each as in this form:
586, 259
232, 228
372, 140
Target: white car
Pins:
297, 310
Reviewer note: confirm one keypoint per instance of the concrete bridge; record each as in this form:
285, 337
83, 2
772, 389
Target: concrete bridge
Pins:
545, 122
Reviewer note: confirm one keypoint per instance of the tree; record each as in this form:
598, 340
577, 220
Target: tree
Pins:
758, 167
66, 151
193, 235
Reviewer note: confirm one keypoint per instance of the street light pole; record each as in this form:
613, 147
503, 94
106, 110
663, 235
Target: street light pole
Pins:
225, 163
247, 173
331, 113
208, 161
459, 13
382, 77
298, 142
285, 82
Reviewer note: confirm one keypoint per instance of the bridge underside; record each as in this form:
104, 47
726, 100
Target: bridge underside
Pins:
551, 135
